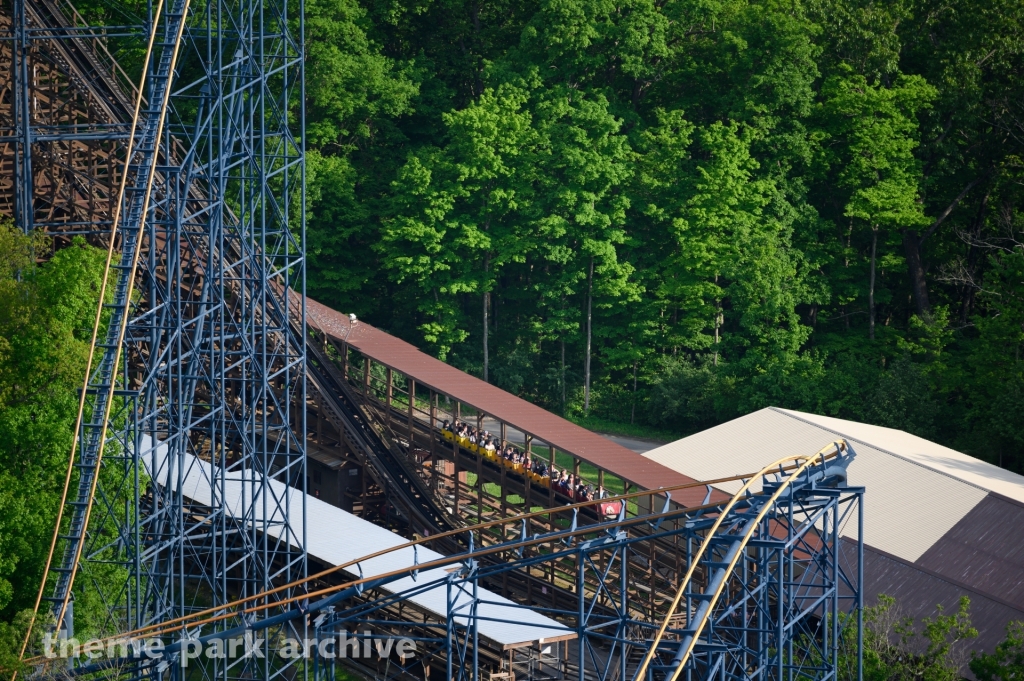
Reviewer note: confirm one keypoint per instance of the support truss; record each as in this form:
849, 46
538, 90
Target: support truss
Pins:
779, 604
200, 349
791, 588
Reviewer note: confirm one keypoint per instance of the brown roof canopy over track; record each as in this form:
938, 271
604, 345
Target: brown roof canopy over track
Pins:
514, 411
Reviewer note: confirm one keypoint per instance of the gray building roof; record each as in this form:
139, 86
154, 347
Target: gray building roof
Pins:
938, 524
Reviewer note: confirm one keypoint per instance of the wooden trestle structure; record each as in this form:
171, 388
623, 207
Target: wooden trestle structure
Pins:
72, 84
475, 488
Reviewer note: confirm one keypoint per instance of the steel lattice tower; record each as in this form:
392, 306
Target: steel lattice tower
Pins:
197, 187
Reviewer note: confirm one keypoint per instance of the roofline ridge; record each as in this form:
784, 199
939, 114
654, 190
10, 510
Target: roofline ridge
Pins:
787, 413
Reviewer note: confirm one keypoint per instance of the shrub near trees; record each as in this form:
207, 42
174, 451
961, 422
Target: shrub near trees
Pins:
938, 648
896, 648
599, 204
1006, 663
46, 321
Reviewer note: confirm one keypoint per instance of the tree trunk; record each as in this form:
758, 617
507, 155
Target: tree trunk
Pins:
586, 357
871, 283
563, 376
478, 82
561, 339
486, 297
912, 242
918, 284
718, 323
973, 254
718, 316
632, 410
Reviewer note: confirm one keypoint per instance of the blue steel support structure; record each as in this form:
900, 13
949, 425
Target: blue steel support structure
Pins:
785, 560
791, 585
200, 194
788, 609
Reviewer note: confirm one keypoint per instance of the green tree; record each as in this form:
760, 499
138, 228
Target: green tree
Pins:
749, 180
1006, 663
732, 269
354, 94
898, 649
994, 367
456, 209
875, 129
46, 320
46, 316
582, 171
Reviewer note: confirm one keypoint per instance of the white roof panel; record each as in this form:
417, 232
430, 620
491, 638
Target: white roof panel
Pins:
900, 518
926, 453
335, 536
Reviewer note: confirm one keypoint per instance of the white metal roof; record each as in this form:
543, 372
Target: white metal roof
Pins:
335, 536
926, 453
913, 494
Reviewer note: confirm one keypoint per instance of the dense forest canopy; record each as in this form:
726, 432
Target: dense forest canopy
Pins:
675, 212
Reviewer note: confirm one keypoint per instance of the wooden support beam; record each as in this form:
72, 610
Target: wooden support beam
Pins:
433, 439
319, 425
387, 395
480, 483
551, 465
650, 569
412, 402
366, 379
529, 491
455, 450
551, 580
504, 501
362, 495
